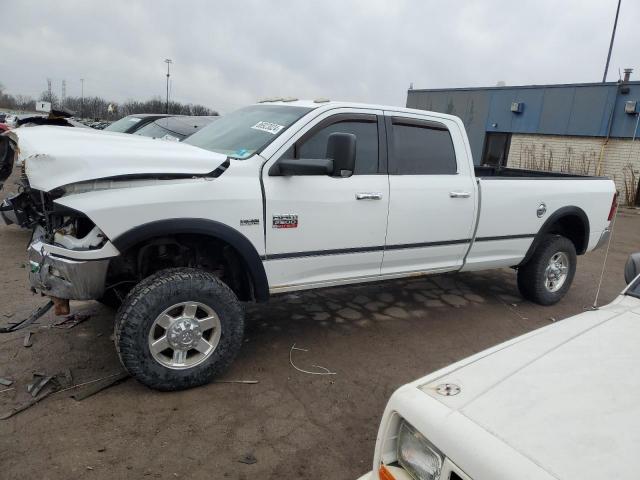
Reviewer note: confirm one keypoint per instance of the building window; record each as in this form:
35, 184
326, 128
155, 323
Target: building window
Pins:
496, 149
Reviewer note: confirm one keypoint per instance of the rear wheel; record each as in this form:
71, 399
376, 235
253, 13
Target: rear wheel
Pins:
178, 329
548, 274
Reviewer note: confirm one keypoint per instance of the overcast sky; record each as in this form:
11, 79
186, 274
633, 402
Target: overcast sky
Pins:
230, 53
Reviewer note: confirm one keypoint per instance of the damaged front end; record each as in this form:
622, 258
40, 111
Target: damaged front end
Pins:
65, 278
69, 257
68, 254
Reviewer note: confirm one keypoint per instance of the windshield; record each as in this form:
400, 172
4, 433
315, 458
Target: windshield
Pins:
248, 130
155, 130
123, 124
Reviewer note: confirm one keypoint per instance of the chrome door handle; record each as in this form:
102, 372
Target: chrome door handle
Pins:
368, 196
459, 194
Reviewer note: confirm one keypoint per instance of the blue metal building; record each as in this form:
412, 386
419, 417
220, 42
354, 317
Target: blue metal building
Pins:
493, 114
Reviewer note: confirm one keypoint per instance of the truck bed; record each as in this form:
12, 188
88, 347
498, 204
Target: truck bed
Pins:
508, 219
489, 171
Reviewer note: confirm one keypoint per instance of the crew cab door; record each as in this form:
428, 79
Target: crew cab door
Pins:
432, 204
321, 229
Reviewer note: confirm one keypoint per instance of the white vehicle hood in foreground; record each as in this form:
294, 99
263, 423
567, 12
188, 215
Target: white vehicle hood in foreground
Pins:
57, 156
566, 397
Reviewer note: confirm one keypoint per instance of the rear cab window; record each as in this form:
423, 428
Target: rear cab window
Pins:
420, 147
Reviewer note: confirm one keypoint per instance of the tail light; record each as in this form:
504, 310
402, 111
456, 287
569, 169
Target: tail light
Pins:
614, 206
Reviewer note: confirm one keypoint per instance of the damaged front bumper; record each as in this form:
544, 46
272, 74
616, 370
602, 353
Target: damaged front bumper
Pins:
69, 274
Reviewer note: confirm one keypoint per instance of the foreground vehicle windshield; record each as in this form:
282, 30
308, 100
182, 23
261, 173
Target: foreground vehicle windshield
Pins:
246, 131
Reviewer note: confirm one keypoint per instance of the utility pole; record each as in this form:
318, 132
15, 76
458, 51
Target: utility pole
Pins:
613, 36
168, 61
63, 93
82, 98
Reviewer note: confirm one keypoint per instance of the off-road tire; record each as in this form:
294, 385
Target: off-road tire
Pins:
531, 276
149, 299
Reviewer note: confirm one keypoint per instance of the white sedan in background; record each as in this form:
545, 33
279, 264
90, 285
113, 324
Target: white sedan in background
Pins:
559, 403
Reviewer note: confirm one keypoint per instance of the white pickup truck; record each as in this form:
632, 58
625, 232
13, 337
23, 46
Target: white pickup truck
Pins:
278, 197
559, 403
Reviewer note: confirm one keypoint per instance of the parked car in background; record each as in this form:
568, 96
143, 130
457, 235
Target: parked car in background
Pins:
98, 125
131, 123
559, 403
274, 198
60, 117
175, 128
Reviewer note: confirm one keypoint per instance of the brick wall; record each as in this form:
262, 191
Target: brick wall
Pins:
620, 158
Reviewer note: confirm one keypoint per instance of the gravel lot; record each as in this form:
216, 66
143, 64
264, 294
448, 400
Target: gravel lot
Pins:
375, 337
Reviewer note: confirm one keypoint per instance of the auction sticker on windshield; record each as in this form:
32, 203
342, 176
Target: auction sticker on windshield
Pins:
268, 127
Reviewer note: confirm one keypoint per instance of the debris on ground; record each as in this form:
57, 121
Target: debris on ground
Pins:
95, 386
72, 320
7, 390
40, 388
35, 315
27, 340
38, 383
325, 371
6, 382
24, 406
513, 307
248, 459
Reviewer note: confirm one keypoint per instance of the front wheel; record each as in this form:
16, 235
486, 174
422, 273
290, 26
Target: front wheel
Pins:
548, 274
178, 328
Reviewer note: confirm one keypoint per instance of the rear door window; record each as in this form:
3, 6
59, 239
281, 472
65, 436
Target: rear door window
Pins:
421, 148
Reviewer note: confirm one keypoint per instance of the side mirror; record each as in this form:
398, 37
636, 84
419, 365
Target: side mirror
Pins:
341, 148
287, 167
632, 267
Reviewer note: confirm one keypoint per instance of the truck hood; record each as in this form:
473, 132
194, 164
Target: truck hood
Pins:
567, 396
58, 156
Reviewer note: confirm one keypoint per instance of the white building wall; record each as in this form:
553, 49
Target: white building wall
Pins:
618, 159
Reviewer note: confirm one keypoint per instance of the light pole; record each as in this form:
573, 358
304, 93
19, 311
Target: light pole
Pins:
613, 36
82, 98
168, 61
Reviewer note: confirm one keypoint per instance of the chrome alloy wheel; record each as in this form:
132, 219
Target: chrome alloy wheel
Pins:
556, 272
184, 335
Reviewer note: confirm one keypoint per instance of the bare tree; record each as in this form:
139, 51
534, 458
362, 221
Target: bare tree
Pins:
98, 107
50, 97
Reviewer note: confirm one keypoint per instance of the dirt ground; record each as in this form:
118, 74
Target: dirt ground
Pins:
374, 337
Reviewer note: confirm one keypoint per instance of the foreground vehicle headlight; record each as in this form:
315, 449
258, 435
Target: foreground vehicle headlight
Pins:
416, 454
